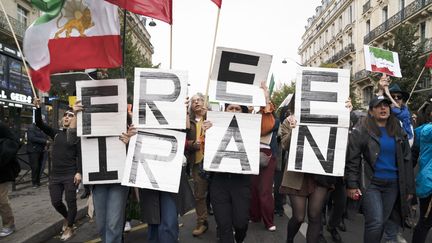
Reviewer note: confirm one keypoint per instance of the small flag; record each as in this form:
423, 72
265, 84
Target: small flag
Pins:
271, 85
382, 61
428, 63
218, 3
72, 35
158, 9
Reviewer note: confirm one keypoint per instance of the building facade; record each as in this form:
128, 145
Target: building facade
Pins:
339, 29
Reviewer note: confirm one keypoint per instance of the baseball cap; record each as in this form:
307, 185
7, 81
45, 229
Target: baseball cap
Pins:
376, 100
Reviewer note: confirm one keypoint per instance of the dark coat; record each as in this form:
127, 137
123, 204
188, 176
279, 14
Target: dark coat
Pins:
190, 140
9, 145
36, 140
363, 151
150, 206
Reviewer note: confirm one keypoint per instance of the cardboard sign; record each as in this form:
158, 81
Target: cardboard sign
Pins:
103, 159
154, 160
382, 61
318, 143
159, 97
232, 144
105, 107
237, 75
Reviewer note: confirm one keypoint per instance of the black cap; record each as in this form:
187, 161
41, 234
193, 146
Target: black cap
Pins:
376, 100
394, 88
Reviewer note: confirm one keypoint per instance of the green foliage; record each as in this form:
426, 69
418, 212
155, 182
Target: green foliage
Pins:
411, 63
281, 93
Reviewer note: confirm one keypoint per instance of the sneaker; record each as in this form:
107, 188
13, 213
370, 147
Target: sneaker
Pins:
5, 231
400, 238
200, 229
127, 227
65, 225
67, 234
272, 228
334, 234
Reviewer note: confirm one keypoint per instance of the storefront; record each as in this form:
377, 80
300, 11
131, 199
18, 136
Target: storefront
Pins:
16, 108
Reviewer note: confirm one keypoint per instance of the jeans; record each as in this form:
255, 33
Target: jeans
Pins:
391, 229
200, 194
424, 223
110, 203
167, 231
378, 202
5, 208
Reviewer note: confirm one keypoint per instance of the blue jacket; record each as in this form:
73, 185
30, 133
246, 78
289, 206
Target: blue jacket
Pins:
423, 139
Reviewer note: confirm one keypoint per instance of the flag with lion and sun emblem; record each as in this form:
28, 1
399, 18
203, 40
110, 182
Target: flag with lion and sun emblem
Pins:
72, 35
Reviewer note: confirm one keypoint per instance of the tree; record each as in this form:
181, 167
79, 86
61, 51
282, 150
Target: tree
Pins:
282, 92
410, 51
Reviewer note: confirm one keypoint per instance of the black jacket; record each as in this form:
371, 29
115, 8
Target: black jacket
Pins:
36, 139
363, 151
65, 156
9, 145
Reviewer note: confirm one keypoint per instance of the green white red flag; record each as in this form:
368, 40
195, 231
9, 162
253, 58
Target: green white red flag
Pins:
382, 61
72, 35
158, 9
218, 3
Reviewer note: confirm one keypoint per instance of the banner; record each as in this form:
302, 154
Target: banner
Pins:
103, 159
319, 141
232, 144
154, 160
159, 98
105, 107
382, 61
236, 76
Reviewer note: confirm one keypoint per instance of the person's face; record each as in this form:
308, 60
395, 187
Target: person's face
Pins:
233, 108
197, 103
398, 98
67, 118
381, 112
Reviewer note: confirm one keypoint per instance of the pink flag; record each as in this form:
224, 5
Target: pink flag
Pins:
158, 9
218, 2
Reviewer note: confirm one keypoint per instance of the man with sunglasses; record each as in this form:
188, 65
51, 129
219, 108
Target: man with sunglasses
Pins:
65, 170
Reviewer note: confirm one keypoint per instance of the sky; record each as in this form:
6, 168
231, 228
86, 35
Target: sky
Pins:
272, 27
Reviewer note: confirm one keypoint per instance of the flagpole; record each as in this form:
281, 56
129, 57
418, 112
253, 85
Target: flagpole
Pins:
211, 59
123, 73
19, 49
415, 84
171, 45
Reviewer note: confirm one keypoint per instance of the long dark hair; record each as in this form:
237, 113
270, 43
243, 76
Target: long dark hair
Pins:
392, 126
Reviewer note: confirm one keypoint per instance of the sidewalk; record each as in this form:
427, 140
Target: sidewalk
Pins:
35, 218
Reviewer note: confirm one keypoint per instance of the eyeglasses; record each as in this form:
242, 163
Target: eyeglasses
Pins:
397, 97
70, 115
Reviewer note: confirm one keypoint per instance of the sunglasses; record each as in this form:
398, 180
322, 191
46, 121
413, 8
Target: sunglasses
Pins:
397, 97
70, 115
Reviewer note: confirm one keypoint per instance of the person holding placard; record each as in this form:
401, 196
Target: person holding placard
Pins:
65, 168
195, 155
379, 169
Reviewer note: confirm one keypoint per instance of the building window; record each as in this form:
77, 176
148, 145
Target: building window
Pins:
367, 26
401, 4
384, 14
340, 23
350, 14
22, 15
367, 95
422, 31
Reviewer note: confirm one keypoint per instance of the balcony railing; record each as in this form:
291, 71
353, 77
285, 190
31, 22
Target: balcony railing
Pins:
366, 6
19, 28
342, 53
361, 74
410, 10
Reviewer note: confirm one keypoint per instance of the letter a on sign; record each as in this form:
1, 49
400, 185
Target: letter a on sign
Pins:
318, 143
105, 107
159, 97
154, 160
236, 76
232, 143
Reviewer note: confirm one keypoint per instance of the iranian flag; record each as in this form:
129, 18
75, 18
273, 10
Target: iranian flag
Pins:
71, 35
382, 61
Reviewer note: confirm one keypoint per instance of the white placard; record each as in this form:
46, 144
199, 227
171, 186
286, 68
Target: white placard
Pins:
105, 107
154, 160
159, 97
103, 159
318, 143
232, 144
237, 75
382, 61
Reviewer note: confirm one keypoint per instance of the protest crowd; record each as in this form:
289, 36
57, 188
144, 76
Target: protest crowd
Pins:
240, 161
